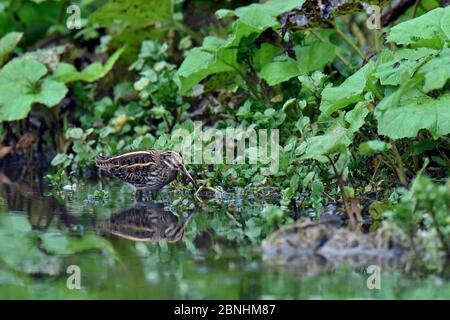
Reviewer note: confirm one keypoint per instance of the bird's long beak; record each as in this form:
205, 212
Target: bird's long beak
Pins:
188, 176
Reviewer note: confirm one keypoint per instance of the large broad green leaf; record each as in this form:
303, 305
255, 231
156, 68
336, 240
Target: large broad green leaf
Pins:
261, 15
133, 12
68, 73
350, 91
217, 55
22, 83
314, 57
7, 45
265, 54
403, 61
309, 58
436, 71
417, 112
279, 71
429, 30
197, 65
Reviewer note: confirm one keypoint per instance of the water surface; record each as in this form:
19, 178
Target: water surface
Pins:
164, 247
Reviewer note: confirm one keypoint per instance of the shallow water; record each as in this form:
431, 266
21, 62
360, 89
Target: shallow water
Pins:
166, 247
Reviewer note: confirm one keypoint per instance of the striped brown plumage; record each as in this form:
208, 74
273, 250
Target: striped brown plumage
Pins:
144, 222
145, 169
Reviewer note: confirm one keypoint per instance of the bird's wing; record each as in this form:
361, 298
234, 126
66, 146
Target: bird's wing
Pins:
133, 167
136, 160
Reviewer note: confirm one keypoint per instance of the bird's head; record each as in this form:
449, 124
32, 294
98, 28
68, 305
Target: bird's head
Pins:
174, 160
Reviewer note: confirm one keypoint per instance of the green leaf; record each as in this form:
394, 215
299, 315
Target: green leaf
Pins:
261, 15
21, 85
197, 65
377, 209
59, 159
265, 54
133, 12
356, 117
339, 136
309, 58
61, 244
314, 57
403, 61
406, 90
420, 147
279, 71
436, 71
68, 73
350, 91
372, 146
349, 191
415, 113
430, 30
218, 55
7, 45
335, 140
51, 92
74, 133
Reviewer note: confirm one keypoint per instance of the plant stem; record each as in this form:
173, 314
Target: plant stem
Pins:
341, 185
197, 36
349, 42
416, 5
399, 164
359, 35
376, 41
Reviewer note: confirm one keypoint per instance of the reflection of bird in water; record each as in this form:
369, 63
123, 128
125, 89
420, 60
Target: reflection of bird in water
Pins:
145, 222
145, 169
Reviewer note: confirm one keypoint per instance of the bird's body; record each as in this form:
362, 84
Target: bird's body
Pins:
145, 169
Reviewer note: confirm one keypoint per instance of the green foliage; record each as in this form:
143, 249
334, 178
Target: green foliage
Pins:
428, 204
372, 147
349, 92
352, 125
68, 73
20, 252
23, 82
423, 112
429, 30
436, 71
133, 12
7, 45
405, 69
55, 242
233, 54
309, 58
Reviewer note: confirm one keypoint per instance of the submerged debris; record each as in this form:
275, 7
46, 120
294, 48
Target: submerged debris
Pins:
312, 247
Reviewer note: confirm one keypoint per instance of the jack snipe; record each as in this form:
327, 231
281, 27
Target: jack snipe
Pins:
145, 169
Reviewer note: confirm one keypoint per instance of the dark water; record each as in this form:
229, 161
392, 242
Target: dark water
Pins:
164, 247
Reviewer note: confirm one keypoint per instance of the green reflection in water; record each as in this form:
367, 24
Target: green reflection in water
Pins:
168, 249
